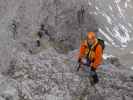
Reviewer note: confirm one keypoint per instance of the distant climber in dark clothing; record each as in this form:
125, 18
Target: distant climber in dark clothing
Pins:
80, 15
41, 33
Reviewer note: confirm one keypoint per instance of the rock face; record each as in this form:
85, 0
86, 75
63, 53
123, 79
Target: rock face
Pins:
49, 75
114, 61
8, 89
63, 20
66, 20
36, 42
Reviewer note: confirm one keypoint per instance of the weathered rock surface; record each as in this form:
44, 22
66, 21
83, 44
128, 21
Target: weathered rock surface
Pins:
51, 76
33, 72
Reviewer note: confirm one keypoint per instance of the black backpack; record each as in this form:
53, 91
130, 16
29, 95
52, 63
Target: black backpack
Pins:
102, 43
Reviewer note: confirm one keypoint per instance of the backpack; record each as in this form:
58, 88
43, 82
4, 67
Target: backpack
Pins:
102, 43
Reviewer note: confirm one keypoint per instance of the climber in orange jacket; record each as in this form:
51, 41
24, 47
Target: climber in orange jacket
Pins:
90, 54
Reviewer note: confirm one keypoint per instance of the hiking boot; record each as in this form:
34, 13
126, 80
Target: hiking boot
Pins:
94, 79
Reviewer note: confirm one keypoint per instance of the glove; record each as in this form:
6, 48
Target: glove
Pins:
93, 69
79, 60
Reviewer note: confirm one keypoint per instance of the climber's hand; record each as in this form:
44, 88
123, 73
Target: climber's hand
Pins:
79, 60
93, 69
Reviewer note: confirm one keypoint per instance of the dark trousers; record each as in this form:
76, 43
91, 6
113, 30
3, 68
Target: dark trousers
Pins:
95, 77
38, 43
91, 73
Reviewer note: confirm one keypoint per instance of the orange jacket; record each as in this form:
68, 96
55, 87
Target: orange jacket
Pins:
97, 54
